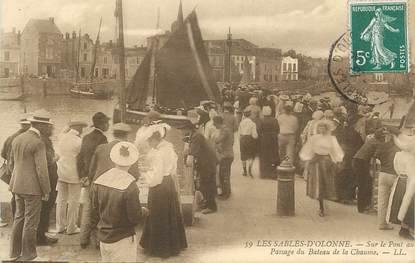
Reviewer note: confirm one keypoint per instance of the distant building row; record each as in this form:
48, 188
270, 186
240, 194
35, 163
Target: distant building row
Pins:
41, 49
263, 65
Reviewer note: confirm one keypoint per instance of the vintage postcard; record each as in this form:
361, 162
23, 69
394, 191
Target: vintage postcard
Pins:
207, 131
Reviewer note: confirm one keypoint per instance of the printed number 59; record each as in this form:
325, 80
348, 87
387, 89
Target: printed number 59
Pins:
361, 57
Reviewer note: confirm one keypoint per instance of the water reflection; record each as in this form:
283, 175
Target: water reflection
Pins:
62, 108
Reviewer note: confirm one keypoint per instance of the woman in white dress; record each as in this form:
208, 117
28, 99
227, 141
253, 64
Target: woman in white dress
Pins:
163, 233
323, 152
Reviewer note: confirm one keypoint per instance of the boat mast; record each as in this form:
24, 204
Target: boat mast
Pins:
121, 54
228, 57
77, 55
94, 58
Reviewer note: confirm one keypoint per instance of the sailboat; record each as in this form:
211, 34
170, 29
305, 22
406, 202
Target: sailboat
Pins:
90, 88
173, 78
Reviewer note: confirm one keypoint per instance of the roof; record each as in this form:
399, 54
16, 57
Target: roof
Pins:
42, 26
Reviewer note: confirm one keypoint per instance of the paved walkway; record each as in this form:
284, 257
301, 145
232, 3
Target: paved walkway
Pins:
250, 216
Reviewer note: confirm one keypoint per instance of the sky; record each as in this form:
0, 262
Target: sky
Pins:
307, 26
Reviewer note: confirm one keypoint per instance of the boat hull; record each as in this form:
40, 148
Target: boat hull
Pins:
91, 90
136, 117
88, 95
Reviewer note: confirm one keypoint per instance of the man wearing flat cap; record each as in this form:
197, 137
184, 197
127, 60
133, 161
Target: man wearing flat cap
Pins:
30, 184
69, 185
7, 148
89, 144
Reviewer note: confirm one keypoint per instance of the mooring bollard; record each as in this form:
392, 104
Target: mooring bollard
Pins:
285, 191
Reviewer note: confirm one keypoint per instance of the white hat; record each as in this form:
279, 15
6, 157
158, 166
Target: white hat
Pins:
161, 128
124, 154
41, 116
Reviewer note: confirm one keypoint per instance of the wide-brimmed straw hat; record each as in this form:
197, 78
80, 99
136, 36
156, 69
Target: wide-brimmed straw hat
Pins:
77, 123
121, 127
124, 154
161, 128
40, 116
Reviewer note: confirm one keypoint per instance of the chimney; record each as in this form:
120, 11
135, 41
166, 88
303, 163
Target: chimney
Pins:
73, 34
52, 20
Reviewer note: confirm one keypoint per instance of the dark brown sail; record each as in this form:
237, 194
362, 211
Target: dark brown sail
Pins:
182, 71
138, 87
184, 75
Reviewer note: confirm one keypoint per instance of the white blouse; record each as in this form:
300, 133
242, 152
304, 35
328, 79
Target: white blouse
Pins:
248, 127
162, 161
322, 145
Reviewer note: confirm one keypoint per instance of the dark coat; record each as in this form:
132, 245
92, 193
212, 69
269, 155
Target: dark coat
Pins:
88, 147
30, 170
101, 162
204, 155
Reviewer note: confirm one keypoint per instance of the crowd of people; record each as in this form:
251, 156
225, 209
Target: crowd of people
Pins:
337, 147
108, 173
342, 149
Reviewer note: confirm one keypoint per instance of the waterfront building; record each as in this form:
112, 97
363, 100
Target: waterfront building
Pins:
9, 54
41, 48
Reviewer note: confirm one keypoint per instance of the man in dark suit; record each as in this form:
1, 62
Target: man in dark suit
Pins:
51, 158
89, 144
7, 148
203, 158
30, 185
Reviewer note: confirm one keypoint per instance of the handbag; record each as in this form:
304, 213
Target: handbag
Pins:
5, 174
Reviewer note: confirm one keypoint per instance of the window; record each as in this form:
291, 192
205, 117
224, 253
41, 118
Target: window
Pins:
294, 67
105, 60
284, 66
379, 77
289, 67
96, 72
265, 77
85, 57
85, 45
49, 53
6, 55
105, 72
83, 72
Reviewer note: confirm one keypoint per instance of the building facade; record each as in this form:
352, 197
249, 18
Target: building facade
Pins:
289, 69
10, 54
41, 48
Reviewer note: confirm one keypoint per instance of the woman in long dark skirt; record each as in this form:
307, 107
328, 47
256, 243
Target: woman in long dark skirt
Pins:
163, 233
323, 151
268, 139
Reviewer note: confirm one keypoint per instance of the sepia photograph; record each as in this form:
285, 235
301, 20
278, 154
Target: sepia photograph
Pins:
207, 131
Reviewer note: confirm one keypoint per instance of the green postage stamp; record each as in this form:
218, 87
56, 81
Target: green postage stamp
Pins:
379, 37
